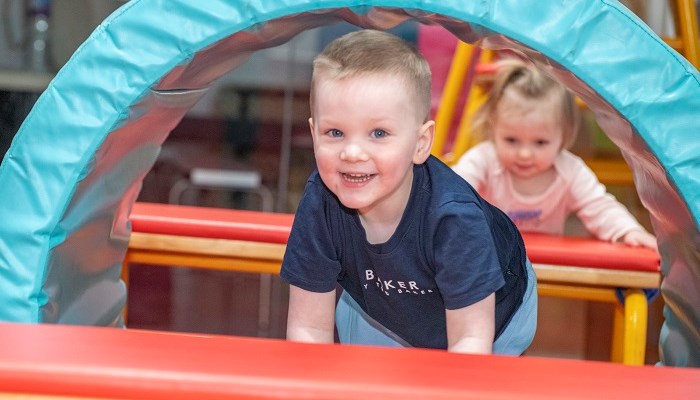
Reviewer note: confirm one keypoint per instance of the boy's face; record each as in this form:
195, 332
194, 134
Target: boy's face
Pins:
367, 135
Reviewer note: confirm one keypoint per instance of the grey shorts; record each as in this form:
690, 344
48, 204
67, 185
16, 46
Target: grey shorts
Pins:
356, 327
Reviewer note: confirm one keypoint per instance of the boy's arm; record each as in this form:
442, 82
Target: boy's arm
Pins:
471, 329
311, 316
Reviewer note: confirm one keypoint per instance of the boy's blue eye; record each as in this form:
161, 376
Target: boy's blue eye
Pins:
335, 133
379, 133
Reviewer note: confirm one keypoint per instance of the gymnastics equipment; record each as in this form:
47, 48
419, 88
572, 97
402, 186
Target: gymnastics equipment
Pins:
132, 364
76, 165
253, 241
460, 81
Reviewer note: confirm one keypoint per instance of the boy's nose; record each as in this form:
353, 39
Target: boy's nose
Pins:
353, 152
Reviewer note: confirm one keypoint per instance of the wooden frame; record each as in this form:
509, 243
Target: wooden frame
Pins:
580, 270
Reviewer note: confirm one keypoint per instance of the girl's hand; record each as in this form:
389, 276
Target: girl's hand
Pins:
638, 238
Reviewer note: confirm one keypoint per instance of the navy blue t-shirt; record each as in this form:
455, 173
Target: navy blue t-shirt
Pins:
450, 250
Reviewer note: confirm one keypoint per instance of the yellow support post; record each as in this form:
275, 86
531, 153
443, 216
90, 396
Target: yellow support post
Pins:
450, 96
687, 30
635, 327
465, 138
618, 334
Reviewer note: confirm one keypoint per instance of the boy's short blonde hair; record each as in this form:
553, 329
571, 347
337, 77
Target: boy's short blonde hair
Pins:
530, 83
369, 51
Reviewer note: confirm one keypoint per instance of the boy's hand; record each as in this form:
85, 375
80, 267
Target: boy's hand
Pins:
638, 238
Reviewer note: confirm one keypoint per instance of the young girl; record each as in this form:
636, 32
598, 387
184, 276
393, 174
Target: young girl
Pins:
525, 168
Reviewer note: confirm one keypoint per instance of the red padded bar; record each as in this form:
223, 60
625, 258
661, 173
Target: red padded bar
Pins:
275, 227
131, 364
576, 251
208, 222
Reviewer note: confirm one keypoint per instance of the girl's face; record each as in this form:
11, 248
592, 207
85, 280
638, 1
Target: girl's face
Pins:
527, 134
367, 136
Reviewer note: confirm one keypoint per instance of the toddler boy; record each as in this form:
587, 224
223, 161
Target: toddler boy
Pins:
423, 260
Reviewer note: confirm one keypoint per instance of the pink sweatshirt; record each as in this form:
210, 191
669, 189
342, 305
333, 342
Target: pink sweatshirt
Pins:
575, 189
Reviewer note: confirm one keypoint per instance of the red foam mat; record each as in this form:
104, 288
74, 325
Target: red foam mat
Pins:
130, 364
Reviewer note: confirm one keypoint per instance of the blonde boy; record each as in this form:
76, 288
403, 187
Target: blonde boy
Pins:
423, 260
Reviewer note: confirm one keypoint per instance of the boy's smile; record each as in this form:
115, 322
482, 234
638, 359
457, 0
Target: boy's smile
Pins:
367, 136
358, 179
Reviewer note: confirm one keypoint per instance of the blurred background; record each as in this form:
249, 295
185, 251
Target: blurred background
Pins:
252, 127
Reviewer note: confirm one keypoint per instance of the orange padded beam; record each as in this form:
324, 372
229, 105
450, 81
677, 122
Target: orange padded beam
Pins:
60, 360
548, 249
256, 226
216, 223
253, 241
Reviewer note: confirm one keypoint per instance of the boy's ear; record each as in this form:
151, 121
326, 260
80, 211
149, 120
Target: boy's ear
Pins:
425, 142
311, 128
